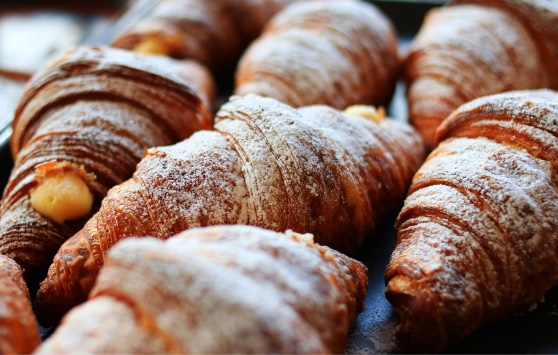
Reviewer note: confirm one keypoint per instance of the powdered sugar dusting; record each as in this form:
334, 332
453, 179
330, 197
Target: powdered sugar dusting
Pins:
97, 108
203, 289
525, 120
194, 182
248, 171
465, 51
308, 54
262, 164
476, 238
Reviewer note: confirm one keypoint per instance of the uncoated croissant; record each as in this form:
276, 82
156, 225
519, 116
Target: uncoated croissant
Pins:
219, 290
477, 238
473, 48
213, 32
88, 117
314, 170
337, 53
19, 332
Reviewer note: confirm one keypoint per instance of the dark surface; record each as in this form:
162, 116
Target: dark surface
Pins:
406, 15
533, 332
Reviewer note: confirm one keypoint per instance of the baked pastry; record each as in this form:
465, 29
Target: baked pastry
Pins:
312, 170
81, 126
218, 290
473, 48
337, 53
19, 331
477, 236
213, 32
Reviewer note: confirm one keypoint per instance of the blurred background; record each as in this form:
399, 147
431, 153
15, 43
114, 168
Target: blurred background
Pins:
31, 31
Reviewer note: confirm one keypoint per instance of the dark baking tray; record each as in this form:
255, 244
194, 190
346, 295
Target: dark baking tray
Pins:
535, 331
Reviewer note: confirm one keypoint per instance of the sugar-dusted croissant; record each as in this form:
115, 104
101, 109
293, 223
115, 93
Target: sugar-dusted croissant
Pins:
213, 32
478, 234
338, 53
315, 170
219, 290
19, 331
81, 126
473, 48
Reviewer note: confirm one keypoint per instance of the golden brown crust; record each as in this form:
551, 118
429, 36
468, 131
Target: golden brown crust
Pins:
19, 332
337, 53
266, 164
470, 49
522, 119
96, 109
477, 234
223, 289
213, 32
194, 29
541, 20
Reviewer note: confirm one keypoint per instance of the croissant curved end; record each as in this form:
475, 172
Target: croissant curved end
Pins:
409, 296
74, 264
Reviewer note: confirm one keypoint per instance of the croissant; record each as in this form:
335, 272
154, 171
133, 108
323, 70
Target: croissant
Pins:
220, 290
81, 126
473, 48
337, 53
477, 236
312, 170
213, 32
19, 331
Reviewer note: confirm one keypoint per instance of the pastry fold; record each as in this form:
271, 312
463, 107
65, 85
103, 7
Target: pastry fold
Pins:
217, 290
337, 53
313, 170
477, 238
212, 32
472, 48
91, 113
